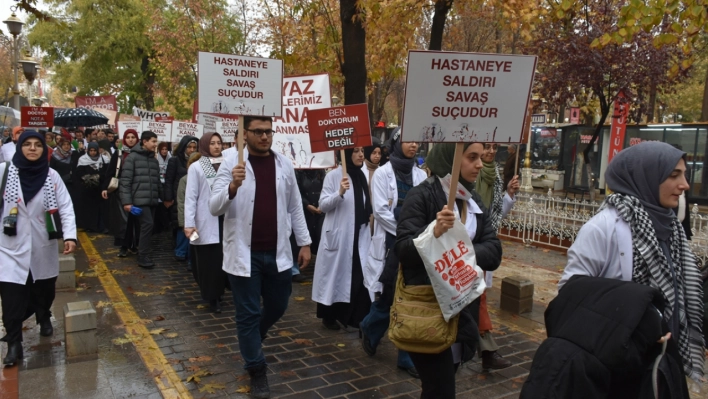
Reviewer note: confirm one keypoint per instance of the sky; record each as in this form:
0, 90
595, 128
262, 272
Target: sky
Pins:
21, 14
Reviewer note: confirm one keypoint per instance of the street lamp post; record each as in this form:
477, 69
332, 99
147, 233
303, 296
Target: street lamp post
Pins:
14, 25
29, 68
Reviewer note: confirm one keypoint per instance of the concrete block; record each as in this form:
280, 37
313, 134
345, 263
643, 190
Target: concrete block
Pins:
66, 280
67, 263
81, 343
79, 316
516, 295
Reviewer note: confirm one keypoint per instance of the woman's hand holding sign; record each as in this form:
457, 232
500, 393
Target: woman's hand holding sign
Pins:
343, 186
443, 222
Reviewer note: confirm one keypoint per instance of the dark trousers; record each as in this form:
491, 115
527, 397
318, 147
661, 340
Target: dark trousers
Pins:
208, 272
20, 301
131, 233
147, 220
437, 374
252, 321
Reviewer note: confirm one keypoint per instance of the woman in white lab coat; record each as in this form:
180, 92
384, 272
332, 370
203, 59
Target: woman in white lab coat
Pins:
36, 211
338, 286
209, 254
637, 237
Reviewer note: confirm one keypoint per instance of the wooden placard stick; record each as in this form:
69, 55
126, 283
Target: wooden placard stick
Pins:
239, 139
344, 163
456, 165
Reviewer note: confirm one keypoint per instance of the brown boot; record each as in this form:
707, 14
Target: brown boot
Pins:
493, 360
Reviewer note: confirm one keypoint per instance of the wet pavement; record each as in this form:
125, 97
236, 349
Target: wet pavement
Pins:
157, 339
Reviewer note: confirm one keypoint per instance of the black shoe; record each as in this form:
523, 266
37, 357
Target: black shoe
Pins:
189, 267
180, 258
145, 262
494, 361
366, 344
123, 253
411, 371
45, 328
133, 250
14, 353
331, 325
215, 306
259, 382
299, 278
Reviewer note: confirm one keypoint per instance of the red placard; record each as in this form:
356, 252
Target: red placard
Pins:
164, 118
619, 125
339, 128
37, 117
103, 102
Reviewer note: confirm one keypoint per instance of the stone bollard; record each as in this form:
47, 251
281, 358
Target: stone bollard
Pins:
516, 294
80, 329
67, 277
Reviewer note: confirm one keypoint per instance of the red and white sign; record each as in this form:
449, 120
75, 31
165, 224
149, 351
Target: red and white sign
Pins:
619, 125
463, 97
161, 118
301, 94
235, 84
125, 125
97, 102
228, 130
181, 129
575, 116
37, 117
163, 130
339, 128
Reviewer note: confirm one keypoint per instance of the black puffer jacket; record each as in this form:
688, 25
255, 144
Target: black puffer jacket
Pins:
177, 168
140, 183
422, 204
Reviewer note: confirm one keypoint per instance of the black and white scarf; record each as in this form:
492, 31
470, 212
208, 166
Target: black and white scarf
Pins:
497, 200
209, 170
650, 267
51, 207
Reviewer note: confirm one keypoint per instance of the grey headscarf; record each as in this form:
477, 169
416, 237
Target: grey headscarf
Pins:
638, 171
402, 166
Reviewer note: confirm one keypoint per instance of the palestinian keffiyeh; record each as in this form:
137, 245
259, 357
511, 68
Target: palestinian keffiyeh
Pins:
51, 207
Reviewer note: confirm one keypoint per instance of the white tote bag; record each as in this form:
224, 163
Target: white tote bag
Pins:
452, 267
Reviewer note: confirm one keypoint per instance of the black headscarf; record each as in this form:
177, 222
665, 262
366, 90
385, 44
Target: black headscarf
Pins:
362, 208
375, 143
182, 148
32, 174
402, 166
638, 171
440, 160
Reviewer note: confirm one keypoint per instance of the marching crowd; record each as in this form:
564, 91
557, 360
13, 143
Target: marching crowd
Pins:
251, 225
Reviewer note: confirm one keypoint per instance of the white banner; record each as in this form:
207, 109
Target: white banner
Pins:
463, 97
163, 130
291, 137
209, 121
181, 129
148, 115
125, 125
228, 130
239, 85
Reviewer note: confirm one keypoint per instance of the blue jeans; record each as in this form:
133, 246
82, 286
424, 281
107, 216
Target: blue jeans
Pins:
252, 322
375, 325
182, 244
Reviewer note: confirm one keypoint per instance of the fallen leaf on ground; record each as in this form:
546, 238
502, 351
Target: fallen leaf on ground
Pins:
197, 377
157, 331
204, 337
243, 377
99, 291
200, 359
127, 339
174, 361
546, 250
87, 274
306, 283
243, 389
159, 318
201, 306
172, 272
303, 341
193, 369
285, 333
481, 376
120, 272
299, 298
102, 304
287, 373
211, 388
171, 335
140, 293
341, 345
221, 345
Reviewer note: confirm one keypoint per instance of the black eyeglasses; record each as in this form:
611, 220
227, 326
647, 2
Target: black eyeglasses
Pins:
261, 132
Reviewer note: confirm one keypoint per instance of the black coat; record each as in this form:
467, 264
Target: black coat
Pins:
176, 169
602, 342
140, 183
422, 204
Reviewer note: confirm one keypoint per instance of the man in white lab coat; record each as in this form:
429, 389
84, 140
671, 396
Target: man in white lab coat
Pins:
262, 204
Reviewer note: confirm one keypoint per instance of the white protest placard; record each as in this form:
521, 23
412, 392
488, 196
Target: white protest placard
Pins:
148, 115
228, 130
163, 130
209, 120
125, 125
239, 85
463, 97
291, 135
181, 129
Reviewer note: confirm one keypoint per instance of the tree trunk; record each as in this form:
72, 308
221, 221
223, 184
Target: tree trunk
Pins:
437, 30
704, 108
147, 84
605, 109
354, 49
498, 39
651, 111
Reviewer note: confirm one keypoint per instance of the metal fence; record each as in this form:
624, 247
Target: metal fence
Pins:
555, 222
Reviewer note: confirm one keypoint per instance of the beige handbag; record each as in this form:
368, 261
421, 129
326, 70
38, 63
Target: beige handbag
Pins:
113, 185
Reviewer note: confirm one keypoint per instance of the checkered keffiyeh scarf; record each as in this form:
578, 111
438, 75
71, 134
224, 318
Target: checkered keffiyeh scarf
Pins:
651, 268
11, 195
209, 170
497, 200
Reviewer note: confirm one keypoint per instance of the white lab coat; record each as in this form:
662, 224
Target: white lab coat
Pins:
196, 207
7, 151
384, 198
31, 249
603, 248
333, 275
239, 214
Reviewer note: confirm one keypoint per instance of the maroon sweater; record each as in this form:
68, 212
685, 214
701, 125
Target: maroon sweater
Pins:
264, 231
